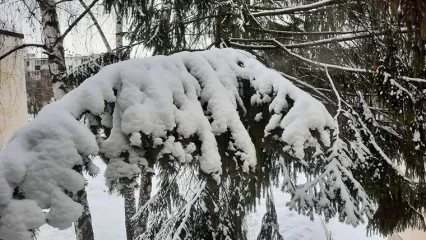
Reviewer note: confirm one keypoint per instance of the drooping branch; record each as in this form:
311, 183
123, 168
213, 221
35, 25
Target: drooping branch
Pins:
21, 47
266, 30
145, 108
337, 67
304, 84
341, 38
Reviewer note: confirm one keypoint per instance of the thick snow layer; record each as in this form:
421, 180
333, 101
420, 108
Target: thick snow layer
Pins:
108, 218
152, 97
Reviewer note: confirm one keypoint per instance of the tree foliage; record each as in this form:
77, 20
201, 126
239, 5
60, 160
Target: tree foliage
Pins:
358, 57
221, 128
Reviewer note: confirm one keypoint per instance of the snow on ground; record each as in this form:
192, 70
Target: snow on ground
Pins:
108, 218
298, 227
107, 212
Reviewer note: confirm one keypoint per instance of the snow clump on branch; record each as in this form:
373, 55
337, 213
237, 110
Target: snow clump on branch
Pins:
194, 94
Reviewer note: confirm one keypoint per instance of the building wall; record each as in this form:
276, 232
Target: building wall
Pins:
13, 102
409, 235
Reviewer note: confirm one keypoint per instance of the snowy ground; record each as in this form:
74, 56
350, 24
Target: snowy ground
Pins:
108, 219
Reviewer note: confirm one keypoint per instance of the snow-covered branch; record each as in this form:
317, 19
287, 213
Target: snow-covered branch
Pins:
167, 111
296, 9
342, 68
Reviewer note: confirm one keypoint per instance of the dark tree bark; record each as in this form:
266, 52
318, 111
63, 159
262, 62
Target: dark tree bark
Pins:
144, 196
129, 211
83, 226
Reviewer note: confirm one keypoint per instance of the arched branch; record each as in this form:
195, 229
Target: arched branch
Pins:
21, 47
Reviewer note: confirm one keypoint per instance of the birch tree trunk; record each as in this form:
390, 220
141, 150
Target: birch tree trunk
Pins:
54, 42
119, 27
129, 192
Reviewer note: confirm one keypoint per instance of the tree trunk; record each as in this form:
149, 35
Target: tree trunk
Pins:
83, 226
129, 211
119, 26
144, 196
223, 25
53, 40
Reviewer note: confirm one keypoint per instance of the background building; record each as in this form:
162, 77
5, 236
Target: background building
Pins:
13, 103
39, 80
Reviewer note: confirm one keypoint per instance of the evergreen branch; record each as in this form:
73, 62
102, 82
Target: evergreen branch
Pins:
308, 86
373, 142
307, 33
342, 38
337, 67
339, 101
296, 9
253, 47
21, 47
419, 213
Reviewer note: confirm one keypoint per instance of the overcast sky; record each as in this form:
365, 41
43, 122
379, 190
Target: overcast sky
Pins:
84, 39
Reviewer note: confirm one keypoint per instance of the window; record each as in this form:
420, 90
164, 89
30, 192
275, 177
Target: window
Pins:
28, 63
37, 67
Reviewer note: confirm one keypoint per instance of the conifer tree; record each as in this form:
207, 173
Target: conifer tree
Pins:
220, 128
371, 56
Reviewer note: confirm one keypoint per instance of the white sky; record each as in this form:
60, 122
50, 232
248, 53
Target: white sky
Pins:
83, 39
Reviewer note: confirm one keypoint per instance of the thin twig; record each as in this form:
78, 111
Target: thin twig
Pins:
77, 20
95, 22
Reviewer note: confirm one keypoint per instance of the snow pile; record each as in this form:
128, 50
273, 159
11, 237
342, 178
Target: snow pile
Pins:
190, 94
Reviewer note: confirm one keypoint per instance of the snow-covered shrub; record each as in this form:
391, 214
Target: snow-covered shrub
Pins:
220, 127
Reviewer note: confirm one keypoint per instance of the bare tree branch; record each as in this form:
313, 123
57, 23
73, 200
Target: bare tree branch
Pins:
21, 47
95, 22
62, 1
78, 19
